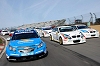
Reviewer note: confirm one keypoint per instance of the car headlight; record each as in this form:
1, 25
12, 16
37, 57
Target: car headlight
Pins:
66, 36
11, 48
40, 45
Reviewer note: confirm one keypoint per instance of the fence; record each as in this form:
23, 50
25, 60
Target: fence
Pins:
93, 18
88, 19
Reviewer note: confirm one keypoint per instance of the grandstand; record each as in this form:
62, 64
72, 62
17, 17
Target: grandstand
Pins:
44, 24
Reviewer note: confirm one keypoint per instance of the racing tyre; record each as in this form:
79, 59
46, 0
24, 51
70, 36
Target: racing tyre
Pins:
51, 38
43, 35
60, 41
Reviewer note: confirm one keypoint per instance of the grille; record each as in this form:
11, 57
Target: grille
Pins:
26, 50
92, 35
77, 36
92, 31
76, 41
73, 36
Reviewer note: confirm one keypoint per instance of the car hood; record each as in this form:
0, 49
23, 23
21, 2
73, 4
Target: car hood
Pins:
71, 33
25, 42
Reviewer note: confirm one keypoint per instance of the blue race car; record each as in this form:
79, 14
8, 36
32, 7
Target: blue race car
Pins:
25, 45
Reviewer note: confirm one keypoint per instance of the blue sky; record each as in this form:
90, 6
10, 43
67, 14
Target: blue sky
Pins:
18, 12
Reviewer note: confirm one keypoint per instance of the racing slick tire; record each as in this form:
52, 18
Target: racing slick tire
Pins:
43, 35
60, 41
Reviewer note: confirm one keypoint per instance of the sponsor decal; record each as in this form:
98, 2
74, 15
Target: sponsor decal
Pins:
25, 41
84, 30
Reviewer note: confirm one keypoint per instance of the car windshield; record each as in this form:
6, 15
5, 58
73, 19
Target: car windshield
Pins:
24, 36
66, 29
82, 27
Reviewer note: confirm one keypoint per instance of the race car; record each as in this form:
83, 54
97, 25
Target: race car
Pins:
86, 31
45, 31
67, 35
4, 32
25, 45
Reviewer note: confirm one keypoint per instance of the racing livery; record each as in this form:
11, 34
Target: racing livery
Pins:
67, 35
24, 45
86, 31
45, 31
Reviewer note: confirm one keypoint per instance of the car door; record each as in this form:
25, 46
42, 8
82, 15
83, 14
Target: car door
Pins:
54, 33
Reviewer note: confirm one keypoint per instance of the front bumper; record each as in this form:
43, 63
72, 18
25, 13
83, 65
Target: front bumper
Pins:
91, 35
74, 41
23, 58
15, 56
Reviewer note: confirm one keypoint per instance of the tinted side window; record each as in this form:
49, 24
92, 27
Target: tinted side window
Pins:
55, 29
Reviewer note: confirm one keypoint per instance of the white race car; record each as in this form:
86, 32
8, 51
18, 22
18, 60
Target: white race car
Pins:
86, 31
45, 31
5, 32
67, 35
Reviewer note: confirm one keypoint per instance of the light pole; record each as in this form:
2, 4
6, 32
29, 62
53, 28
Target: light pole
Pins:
82, 18
69, 20
95, 16
91, 19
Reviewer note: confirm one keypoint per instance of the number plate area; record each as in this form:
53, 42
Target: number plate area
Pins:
26, 54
